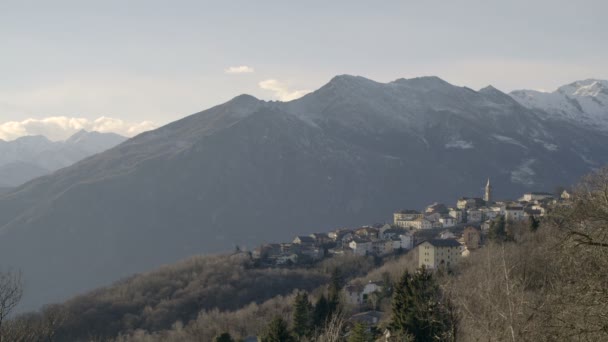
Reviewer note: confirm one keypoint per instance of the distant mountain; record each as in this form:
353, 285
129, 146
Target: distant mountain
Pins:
250, 171
29, 157
582, 102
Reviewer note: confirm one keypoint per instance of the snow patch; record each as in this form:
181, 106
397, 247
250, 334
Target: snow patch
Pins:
587, 160
524, 173
508, 140
461, 144
547, 145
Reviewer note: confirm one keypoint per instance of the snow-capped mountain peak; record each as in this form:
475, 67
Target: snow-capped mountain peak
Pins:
582, 102
589, 87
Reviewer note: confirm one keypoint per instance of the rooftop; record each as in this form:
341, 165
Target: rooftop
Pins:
443, 242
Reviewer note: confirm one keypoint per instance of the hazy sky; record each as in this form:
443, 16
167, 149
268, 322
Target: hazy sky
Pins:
138, 64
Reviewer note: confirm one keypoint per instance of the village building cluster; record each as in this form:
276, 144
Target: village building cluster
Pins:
439, 236
443, 232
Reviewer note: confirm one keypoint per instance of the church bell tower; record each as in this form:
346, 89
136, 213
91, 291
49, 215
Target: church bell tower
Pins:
488, 195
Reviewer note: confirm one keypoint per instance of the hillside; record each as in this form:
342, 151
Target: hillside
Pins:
250, 171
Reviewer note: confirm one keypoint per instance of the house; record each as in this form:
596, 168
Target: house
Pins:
303, 240
352, 294
368, 318
490, 213
446, 234
337, 234
382, 247
514, 213
434, 217
320, 238
419, 223
371, 287
407, 241
389, 232
565, 195
287, 259
469, 203
485, 226
456, 214
532, 212
360, 246
474, 215
437, 253
357, 294
315, 253
406, 215
367, 232
541, 207
447, 221
436, 224
438, 208
471, 237
347, 238
535, 196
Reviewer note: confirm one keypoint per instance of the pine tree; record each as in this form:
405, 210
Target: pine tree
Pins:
321, 312
333, 297
498, 230
302, 315
418, 309
359, 334
277, 331
225, 337
534, 223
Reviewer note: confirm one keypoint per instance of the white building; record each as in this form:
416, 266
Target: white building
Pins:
514, 213
438, 253
447, 221
360, 246
419, 223
407, 241
456, 214
474, 215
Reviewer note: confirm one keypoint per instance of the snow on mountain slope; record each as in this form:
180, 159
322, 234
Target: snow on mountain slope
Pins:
582, 102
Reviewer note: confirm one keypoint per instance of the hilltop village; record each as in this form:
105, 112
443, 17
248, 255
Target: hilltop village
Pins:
460, 229
439, 236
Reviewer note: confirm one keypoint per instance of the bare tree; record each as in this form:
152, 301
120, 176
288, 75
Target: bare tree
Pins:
11, 290
334, 330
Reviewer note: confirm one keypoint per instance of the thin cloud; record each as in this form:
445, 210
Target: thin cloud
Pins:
241, 69
62, 127
281, 90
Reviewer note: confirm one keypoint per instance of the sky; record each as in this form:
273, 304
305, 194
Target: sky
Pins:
132, 65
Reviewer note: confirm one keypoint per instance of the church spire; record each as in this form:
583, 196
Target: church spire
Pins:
488, 195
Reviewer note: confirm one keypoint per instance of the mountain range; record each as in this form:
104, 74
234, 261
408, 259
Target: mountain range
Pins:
29, 157
250, 171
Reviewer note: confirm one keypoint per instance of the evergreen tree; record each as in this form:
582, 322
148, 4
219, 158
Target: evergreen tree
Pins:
225, 337
320, 313
498, 229
534, 223
359, 334
276, 331
418, 309
302, 315
333, 297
